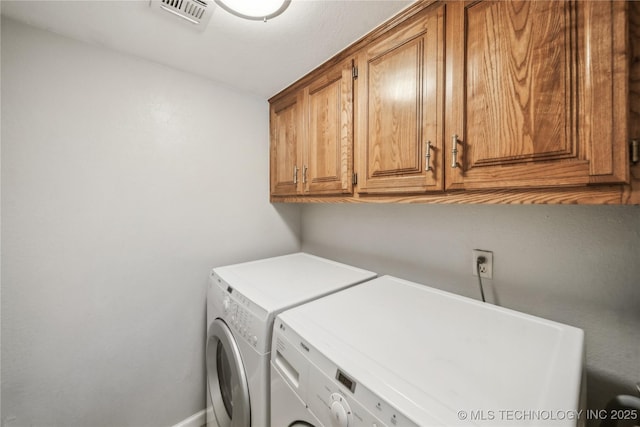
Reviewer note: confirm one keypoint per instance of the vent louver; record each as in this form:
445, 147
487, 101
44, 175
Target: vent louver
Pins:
196, 13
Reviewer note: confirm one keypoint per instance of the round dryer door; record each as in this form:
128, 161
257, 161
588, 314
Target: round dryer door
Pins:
301, 424
228, 388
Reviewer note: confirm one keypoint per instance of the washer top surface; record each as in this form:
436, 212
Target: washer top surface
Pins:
281, 282
432, 354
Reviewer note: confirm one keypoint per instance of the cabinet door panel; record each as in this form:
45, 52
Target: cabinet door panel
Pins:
286, 153
522, 81
518, 105
329, 160
394, 111
400, 95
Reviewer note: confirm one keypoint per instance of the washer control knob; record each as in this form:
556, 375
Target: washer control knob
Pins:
254, 340
340, 411
226, 303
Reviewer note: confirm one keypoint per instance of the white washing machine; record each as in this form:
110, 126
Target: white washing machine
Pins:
394, 353
242, 303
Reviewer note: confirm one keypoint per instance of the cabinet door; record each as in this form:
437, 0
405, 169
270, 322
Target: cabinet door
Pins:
286, 139
400, 105
533, 94
328, 165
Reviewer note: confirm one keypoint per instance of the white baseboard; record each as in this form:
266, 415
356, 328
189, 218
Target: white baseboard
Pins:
198, 419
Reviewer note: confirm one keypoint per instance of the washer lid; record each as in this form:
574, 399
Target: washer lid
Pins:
432, 354
282, 282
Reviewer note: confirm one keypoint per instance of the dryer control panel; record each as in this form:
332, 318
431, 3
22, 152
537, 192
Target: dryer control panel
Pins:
244, 317
332, 395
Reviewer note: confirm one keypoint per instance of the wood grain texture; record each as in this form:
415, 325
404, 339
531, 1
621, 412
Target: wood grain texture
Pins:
603, 79
394, 111
324, 133
328, 107
632, 195
634, 69
519, 87
594, 195
400, 99
558, 82
514, 104
285, 152
538, 93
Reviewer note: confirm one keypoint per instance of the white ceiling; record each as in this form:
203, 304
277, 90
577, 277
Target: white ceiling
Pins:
262, 58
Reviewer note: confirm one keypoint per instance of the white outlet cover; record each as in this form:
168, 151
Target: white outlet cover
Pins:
487, 266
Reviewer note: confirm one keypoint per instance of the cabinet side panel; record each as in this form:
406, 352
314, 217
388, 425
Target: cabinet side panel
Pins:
633, 195
634, 74
605, 88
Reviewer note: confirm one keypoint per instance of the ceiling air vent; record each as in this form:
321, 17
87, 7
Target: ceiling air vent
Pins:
196, 13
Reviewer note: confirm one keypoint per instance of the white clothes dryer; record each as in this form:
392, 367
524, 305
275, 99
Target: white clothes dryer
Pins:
394, 353
242, 303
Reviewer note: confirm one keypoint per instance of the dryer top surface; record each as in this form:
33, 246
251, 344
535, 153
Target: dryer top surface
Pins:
421, 349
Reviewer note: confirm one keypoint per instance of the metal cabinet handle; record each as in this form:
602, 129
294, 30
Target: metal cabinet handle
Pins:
295, 174
454, 151
428, 157
304, 174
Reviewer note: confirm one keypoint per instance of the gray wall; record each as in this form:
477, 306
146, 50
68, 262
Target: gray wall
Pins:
578, 265
123, 183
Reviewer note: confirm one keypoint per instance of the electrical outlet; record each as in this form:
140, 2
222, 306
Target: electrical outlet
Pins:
486, 268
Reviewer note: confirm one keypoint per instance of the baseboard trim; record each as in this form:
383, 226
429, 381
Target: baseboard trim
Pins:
198, 419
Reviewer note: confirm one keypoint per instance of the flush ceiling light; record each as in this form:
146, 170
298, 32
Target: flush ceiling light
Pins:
257, 10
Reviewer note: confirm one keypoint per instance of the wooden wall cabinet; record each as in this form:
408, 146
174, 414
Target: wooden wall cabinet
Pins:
483, 101
536, 94
312, 136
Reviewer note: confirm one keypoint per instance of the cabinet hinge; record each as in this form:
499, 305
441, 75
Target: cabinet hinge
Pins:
354, 179
634, 150
354, 72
